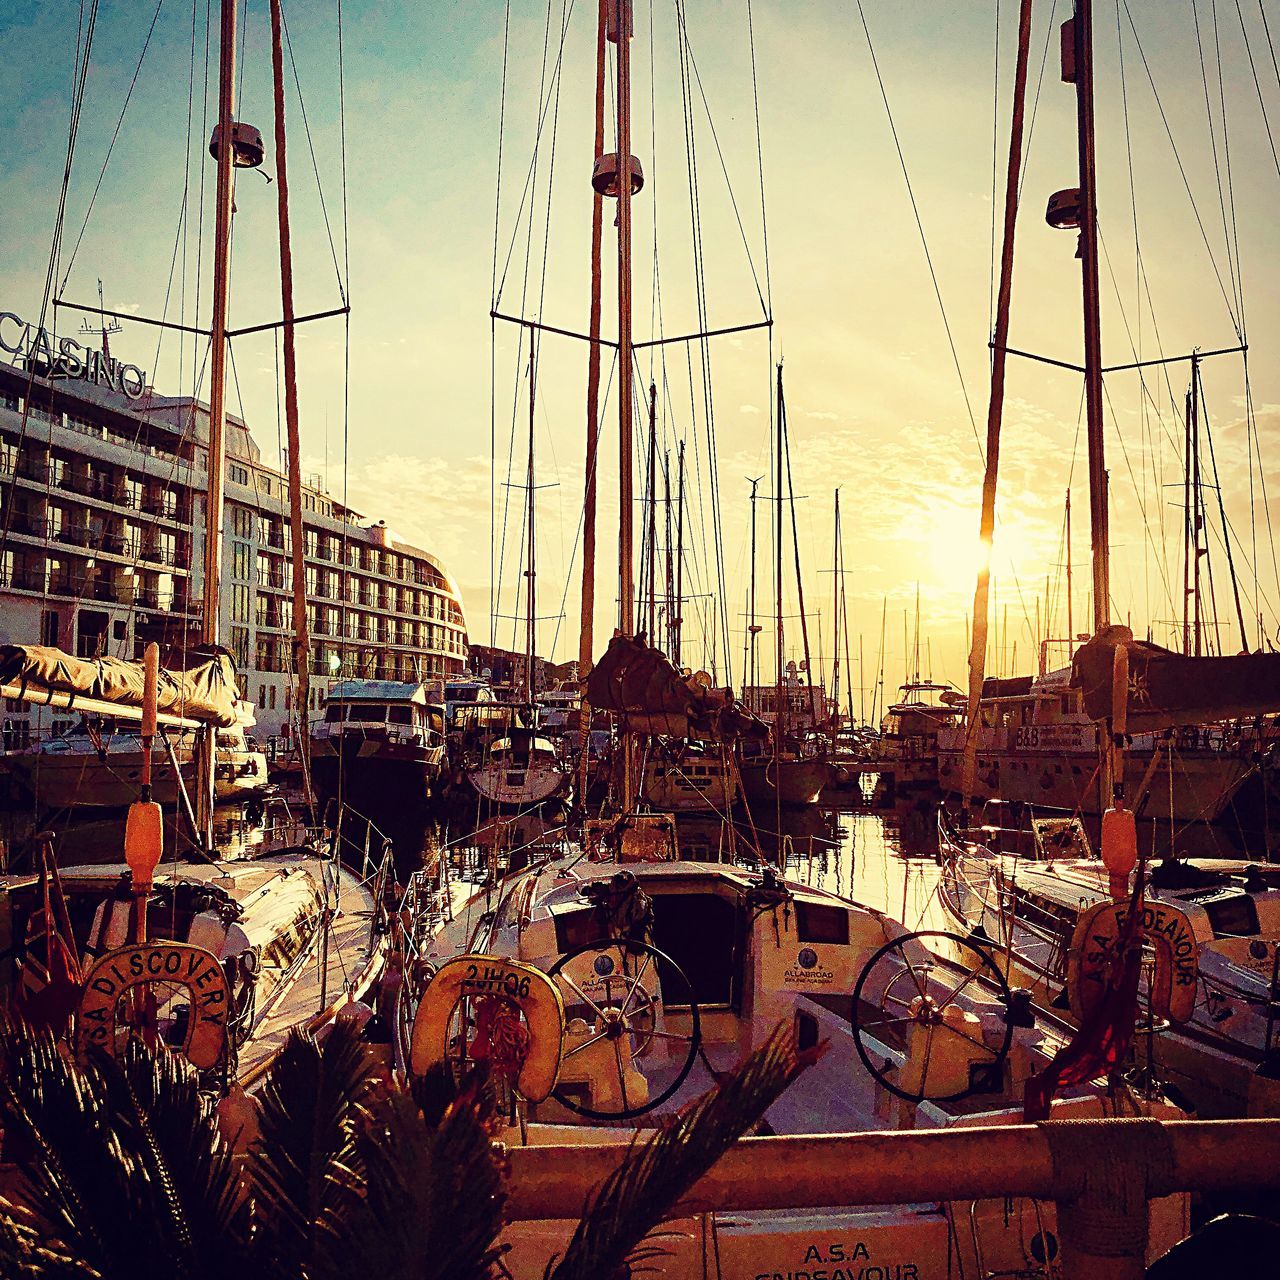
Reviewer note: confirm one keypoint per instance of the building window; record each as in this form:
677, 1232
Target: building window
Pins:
49, 627
239, 603
271, 698
241, 522
262, 697
240, 645
241, 561
238, 474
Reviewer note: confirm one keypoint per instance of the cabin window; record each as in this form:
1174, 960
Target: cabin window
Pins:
400, 715
700, 934
1232, 916
818, 923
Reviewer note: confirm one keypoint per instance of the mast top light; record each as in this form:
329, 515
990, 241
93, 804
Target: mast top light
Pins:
1064, 209
247, 150
604, 177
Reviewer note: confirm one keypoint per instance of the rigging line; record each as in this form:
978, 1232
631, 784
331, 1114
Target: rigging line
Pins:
1226, 153
565, 14
186, 190
311, 148
1222, 515
1195, 209
544, 99
995, 167
544, 105
146, 44
1262, 475
577, 538
915, 209
1035, 102
733, 199
1217, 168
502, 133
1267, 29
1257, 86
1133, 197
1118, 435
55, 248
764, 221
342, 154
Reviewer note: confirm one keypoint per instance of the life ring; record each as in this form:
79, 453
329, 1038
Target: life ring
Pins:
158, 962
511, 983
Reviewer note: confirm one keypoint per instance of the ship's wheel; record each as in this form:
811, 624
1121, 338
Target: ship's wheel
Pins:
905, 991
620, 1003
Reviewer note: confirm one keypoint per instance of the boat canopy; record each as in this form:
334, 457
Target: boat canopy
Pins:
201, 689
640, 683
1167, 690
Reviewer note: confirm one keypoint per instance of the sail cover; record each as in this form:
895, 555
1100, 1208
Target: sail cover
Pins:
640, 684
1167, 689
203, 688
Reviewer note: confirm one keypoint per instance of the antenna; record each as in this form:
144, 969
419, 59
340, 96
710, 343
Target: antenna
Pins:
106, 328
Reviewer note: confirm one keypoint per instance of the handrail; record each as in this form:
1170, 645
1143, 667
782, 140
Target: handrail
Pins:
1091, 1168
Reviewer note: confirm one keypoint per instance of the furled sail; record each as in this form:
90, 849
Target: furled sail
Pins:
1167, 689
640, 684
203, 688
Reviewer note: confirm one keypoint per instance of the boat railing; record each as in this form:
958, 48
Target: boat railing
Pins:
1101, 1175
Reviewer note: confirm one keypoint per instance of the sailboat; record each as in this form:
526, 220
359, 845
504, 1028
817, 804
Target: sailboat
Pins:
1214, 932
217, 958
516, 765
795, 768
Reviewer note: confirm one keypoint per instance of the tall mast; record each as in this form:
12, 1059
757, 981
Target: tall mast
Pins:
301, 630
779, 713
679, 601
1082, 34
621, 34
1071, 628
669, 579
1197, 509
207, 750
995, 415
835, 609
753, 627
653, 513
530, 572
587, 615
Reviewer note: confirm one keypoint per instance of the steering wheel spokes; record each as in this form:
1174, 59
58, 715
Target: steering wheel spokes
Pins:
936, 1015
631, 1032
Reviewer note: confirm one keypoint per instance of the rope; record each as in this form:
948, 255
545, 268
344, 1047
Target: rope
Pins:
146, 44
915, 209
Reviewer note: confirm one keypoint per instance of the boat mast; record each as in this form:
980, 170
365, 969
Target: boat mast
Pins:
835, 610
531, 590
587, 615
620, 33
653, 513
1080, 70
779, 713
1071, 629
678, 621
206, 752
669, 565
995, 415
753, 627
1082, 34
301, 630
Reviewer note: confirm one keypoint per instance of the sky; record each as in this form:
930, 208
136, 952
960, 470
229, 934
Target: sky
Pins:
417, 412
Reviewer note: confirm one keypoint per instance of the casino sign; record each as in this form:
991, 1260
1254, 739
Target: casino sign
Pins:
66, 358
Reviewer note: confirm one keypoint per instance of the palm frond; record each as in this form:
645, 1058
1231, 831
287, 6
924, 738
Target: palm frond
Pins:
305, 1168
435, 1199
24, 1257
74, 1172
655, 1175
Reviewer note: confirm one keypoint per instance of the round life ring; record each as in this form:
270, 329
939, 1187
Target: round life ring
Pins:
510, 982
158, 962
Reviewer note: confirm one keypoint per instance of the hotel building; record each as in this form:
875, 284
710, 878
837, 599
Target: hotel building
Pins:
102, 525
